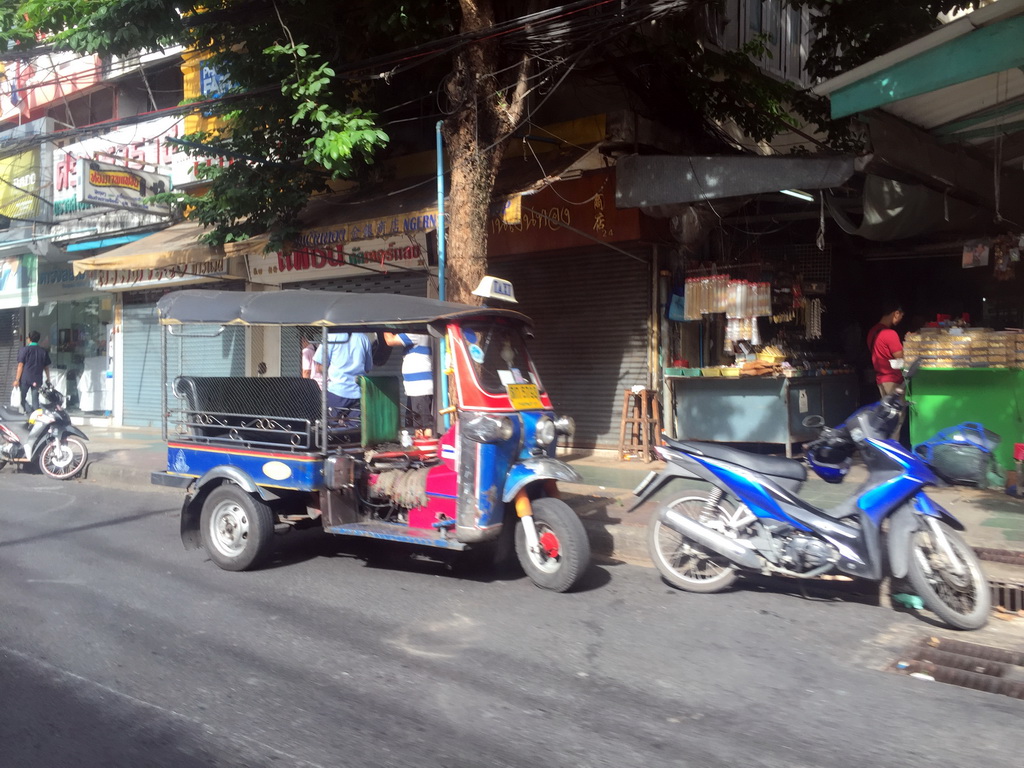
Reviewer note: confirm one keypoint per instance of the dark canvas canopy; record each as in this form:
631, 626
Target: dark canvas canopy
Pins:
368, 311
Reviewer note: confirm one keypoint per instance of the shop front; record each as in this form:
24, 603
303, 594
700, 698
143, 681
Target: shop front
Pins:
74, 324
133, 278
585, 272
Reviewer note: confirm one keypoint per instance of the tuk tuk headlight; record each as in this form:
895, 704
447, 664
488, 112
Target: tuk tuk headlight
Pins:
545, 431
564, 425
485, 428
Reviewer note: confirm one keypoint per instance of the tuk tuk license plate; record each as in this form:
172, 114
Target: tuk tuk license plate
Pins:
524, 397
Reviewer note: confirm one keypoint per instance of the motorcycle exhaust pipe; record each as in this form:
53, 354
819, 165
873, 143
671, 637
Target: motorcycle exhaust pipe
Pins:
713, 540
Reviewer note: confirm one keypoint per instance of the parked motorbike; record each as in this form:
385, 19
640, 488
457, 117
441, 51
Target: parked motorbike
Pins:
752, 518
45, 437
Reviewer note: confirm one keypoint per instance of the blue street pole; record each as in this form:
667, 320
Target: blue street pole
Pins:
440, 267
440, 215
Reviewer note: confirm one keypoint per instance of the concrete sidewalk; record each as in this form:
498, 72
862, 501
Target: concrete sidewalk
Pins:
995, 521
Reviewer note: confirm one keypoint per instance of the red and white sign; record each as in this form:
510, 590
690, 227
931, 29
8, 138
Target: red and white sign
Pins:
315, 262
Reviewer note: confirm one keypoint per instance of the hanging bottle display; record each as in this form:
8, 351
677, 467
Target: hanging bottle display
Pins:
736, 298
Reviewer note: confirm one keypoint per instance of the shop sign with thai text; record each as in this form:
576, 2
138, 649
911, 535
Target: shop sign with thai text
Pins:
177, 274
409, 251
55, 281
114, 186
573, 213
143, 146
369, 229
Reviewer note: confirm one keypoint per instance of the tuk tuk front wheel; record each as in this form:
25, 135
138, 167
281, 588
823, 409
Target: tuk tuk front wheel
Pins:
237, 529
563, 553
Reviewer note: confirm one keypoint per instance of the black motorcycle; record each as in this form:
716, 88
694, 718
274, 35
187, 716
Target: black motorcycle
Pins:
45, 437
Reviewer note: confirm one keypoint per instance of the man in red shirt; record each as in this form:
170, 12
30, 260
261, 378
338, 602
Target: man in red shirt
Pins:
885, 345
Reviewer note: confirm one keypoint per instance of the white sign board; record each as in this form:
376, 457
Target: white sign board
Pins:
115, 186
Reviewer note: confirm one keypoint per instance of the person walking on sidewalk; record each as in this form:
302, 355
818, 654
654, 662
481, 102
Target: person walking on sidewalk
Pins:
33, 364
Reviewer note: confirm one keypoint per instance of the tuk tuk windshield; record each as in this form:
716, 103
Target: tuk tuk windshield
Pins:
498, 351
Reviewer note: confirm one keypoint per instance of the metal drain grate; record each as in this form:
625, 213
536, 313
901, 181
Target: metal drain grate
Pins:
969, 665
1008, 596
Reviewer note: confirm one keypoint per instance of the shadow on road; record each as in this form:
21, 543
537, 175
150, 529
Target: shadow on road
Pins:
472, 565
88, 527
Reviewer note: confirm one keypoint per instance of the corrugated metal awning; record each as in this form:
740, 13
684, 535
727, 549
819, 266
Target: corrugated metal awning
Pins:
178, 244
652, 180
962, 82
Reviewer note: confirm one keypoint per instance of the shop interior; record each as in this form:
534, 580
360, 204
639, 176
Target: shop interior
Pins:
76, 333
816, 293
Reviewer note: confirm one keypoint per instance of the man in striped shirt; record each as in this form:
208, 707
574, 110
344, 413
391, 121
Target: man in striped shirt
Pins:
417, 377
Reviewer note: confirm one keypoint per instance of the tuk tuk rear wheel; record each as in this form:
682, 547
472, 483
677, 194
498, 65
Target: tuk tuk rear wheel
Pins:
237, 529
564, 547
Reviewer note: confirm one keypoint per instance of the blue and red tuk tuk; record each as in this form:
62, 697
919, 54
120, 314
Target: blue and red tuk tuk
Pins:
265, 454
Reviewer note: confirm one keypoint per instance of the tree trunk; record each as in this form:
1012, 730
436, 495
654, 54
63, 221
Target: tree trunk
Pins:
486, 109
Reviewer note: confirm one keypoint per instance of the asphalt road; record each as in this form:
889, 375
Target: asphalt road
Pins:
119, 648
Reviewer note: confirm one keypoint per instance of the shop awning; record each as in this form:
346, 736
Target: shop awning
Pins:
947, 109
178, 244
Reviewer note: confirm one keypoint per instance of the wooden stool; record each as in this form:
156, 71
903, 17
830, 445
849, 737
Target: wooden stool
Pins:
640, 417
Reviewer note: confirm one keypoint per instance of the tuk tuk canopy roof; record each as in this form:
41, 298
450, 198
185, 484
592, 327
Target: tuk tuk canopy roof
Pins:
368, 311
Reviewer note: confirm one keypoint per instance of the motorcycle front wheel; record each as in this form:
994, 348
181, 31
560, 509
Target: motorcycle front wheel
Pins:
682, 562
63, 459
961, 600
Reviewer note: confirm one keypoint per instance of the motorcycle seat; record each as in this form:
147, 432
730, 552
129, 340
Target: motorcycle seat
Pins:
773, 466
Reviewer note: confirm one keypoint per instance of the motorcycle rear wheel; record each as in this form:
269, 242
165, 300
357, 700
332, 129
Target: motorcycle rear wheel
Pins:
63, 459
682, 562
963, 602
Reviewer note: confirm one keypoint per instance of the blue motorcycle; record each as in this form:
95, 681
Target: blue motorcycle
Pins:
752, 518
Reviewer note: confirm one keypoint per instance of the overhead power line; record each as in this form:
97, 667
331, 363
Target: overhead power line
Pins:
537, 31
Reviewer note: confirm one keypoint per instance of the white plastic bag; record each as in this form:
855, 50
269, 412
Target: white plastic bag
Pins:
15, 397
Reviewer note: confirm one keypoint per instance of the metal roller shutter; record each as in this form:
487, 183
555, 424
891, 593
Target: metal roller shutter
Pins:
591, 324
12, 338
200, 355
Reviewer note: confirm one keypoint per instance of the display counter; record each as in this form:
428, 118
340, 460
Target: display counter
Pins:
945, 397
758, 409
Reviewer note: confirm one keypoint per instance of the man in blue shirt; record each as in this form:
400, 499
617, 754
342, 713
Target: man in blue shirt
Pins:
33, 364
349, 356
